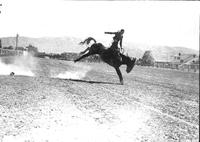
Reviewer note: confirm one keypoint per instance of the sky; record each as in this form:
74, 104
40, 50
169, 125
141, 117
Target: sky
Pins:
151, 23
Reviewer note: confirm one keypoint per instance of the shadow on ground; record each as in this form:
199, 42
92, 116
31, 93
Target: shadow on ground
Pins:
91, 82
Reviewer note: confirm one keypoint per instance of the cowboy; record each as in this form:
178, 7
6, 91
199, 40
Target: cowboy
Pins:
117, 39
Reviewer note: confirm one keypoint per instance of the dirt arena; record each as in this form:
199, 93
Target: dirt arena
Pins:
60, 101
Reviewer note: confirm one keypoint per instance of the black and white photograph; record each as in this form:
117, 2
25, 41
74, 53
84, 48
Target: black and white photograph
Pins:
99, 71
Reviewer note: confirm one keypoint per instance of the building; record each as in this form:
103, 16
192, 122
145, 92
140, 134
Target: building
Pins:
184, 62
184, 58
10, 52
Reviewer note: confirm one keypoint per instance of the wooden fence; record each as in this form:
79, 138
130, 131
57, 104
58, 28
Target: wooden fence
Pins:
189, 68
178, 66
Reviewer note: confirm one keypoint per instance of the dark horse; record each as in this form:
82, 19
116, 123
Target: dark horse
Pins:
108, 55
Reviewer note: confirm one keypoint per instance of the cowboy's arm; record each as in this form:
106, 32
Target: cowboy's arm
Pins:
110, 32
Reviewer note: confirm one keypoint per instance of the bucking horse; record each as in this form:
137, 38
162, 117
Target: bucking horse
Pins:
109, 56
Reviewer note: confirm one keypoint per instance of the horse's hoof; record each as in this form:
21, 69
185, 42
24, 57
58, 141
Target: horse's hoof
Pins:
122, 82
130, 66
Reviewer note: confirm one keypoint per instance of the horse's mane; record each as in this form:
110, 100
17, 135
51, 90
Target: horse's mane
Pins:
87, 40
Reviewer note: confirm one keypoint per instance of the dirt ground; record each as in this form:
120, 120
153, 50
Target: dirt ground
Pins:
154, 105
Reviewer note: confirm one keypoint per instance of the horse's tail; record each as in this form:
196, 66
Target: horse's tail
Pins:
87, 40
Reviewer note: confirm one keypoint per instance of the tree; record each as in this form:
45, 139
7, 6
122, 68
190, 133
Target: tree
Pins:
147, 59
9, 47
31, 49
20, 48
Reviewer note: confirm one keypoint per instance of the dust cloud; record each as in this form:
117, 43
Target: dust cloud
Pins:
20, 65
78, 71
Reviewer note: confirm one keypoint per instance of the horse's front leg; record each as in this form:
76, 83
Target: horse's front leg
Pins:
120, 75
83, 56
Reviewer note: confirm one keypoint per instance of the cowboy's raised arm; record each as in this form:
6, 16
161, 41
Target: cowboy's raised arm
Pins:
110, 32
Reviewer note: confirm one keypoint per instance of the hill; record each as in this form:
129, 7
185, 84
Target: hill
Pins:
70, 44
161, 53
47, 44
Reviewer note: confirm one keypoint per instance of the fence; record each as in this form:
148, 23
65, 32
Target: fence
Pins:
178, 66
189, 68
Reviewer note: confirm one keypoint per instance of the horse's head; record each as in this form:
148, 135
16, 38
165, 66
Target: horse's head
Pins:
130, 63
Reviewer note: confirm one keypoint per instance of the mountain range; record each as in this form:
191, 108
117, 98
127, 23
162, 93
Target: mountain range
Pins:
70, 44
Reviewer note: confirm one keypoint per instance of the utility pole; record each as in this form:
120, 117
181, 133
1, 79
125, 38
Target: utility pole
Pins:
0, 44
17, 38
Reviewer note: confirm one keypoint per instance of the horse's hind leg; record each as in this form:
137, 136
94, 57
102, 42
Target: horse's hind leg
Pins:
120, 75
83, 52
83, 56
